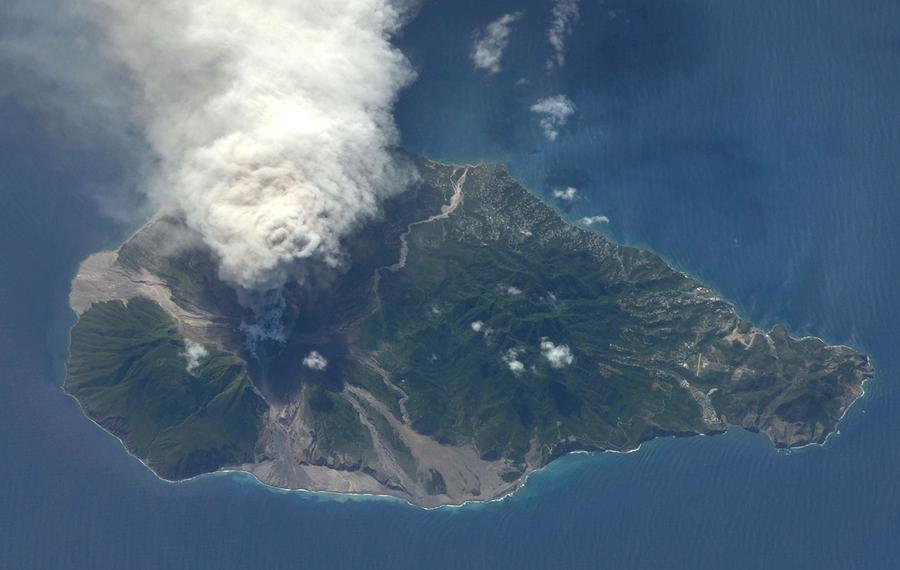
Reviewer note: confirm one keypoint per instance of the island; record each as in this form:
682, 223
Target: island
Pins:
471, 337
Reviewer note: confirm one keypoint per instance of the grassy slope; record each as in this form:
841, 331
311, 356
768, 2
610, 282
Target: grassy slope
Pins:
127, 368
337, 429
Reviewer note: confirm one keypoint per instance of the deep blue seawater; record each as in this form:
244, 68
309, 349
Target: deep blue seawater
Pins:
755, 145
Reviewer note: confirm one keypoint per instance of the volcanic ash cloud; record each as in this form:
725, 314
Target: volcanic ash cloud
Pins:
272, 121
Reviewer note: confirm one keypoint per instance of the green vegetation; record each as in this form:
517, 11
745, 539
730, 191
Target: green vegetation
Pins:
337, 429
627, 332
191, 273
128, 369
505, 329
360, 375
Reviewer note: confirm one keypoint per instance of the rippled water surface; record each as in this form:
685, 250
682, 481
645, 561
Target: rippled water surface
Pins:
754, 145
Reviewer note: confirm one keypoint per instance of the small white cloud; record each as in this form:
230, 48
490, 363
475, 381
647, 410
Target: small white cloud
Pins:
555, 113
477, 326
194, 352
569, 194
491, 43
511, 358
315, 361
512, 290
591, 220
558, 355
564, 16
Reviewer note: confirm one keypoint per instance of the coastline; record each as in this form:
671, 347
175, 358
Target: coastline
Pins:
518, 484
573, 221
513, 490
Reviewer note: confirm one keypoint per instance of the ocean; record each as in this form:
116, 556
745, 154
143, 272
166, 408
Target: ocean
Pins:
752, 144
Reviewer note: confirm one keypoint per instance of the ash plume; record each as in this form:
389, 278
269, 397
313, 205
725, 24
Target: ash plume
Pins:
272, 121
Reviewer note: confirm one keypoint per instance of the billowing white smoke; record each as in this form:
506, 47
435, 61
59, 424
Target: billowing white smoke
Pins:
272, 120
